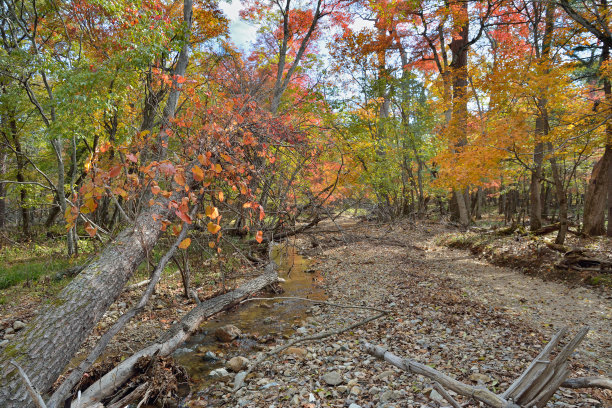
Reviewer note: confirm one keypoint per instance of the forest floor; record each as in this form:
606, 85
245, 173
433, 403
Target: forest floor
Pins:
449, 308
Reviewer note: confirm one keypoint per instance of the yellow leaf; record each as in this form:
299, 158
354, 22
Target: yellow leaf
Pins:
218, 168
211, 244
212, 212
213, 228
198, 173
185, 243
221, 196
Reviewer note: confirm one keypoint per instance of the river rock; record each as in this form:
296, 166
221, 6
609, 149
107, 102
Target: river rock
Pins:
219, 372
210, 356
237, 363
333, 378
227, 333
296, 351
9, 330
18, 325
480, 378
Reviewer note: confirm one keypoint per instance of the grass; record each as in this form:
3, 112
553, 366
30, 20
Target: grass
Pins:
11, 275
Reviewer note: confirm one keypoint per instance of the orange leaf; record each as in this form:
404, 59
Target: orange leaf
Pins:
90, 230
155, 190
211, 244
221, 196
185, 243
198, 173
213, 228
218, 168
259, 236
180, 179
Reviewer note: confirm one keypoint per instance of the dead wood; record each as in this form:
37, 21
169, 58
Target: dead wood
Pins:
588, 382
533, 388
580, 260
412, 366
62, 393
174, 337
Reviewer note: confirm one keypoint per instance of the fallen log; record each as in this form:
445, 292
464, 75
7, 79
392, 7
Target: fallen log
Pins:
174, 337
533, 388
580, 260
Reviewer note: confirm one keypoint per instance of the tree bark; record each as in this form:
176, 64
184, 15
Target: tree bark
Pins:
601, 176
3, 166
458, 125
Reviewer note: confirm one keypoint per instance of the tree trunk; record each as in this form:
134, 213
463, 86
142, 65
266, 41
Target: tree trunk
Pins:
535, 188
23, 193
601, 177
458, 125
47, 344
3, 166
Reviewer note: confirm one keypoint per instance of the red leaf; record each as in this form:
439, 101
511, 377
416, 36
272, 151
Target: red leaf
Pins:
185, 217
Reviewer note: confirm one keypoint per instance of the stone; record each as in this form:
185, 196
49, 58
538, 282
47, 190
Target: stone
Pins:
388, 395
384, 374
9, 336
3, 343
9, 330
18, 325
219, 372
480, 378
237, 363
296, 351
333, 378
210, 356
355, 390
227, 333
353, 405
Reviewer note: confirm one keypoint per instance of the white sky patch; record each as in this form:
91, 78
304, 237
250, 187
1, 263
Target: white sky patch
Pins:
242, 33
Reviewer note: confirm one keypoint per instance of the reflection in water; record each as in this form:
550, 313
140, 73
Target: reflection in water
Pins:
269, 319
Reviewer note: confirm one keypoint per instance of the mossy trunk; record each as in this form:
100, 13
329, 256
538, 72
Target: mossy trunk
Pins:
47, 344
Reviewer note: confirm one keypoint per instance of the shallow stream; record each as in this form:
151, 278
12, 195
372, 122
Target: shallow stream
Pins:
258, 320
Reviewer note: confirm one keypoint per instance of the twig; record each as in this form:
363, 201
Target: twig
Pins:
240, 377
446, 395
40, 403
321, 302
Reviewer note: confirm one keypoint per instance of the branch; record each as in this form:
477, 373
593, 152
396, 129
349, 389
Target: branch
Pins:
412, 366
31, 390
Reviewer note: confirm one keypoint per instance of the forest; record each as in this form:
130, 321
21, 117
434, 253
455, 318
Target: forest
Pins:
325, 203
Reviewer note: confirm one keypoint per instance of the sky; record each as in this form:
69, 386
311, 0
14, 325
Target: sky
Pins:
241, 32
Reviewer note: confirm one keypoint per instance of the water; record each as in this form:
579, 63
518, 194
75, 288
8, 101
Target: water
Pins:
263, 320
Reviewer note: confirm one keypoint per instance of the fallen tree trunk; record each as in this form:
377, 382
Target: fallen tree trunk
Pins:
177, 334
50, 340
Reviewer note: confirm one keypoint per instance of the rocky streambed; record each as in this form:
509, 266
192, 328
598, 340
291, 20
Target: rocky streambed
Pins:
435, 317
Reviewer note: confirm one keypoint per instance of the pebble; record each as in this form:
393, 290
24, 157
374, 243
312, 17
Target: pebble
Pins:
333, 378
18, 325
237, 363
219, 372
227, 333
